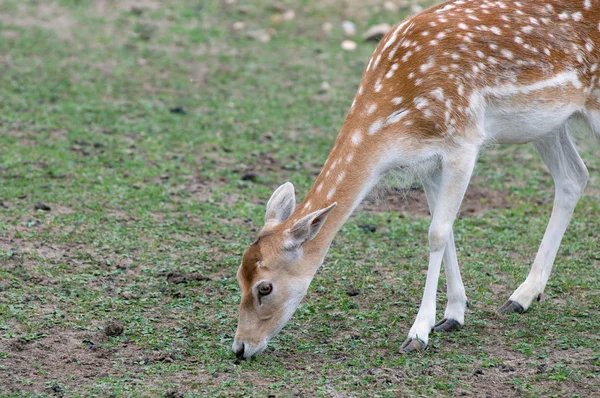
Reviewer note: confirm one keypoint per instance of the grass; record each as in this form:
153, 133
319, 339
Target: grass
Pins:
138, 188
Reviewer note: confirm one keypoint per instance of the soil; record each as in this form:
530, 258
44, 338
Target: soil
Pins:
412, 202
64, 352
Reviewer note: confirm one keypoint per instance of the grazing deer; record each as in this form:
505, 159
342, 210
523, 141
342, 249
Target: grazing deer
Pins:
440, 86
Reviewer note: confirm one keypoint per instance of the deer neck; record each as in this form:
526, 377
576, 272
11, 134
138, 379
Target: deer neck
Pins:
350, 172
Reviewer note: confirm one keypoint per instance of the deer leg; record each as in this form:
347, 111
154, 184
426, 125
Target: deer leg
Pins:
570, 176
454, 316
456, 170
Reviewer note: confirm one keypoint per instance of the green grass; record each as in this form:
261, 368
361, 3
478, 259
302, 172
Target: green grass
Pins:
136, 191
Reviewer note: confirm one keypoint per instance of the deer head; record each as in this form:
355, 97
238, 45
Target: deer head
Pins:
276, 271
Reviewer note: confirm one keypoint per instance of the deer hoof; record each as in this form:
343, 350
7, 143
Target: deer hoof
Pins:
412, 345
509, 307
447, 325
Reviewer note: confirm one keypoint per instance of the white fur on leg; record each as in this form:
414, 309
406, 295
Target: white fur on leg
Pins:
456, 296
570, 176
426, 317
457, 168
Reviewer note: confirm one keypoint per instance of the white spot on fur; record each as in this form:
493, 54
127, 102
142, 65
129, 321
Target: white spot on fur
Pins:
527, 29
357, 137
396, 117
463, 25
438, 94
427, 66
378, 86
375, 127
319, 187
330, 193
420, 102
349, 157
376, 61
507, 53
371, 109
397, 100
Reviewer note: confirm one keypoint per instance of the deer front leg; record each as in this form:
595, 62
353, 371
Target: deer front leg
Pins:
454, 316
456, 170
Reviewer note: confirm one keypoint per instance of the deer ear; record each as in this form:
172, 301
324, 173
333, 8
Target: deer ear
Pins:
309, 226
281, 205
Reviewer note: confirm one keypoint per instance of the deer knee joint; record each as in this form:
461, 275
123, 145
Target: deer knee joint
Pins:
438, 236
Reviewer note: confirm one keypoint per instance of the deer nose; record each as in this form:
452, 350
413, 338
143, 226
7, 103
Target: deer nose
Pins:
240, 351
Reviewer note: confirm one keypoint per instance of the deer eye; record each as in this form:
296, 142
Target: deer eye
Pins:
264, 289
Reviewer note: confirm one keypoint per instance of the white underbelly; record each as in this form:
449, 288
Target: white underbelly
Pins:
520, 125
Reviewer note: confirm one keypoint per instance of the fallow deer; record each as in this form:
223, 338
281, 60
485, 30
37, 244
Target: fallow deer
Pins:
440, 86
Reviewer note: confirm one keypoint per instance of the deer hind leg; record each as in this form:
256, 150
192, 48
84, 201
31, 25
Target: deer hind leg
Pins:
454, 316
570, 176
456, 170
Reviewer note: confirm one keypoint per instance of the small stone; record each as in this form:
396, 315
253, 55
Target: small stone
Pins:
175, 277
261, 36
390, 6
327, 27
376, 32
541, 369
250, 176
403, 4
243, 9
172, 393
288, 15
349, 28
324, 88
416, 9
239, 25
348, 45
113, 328
180, 110
41, 206
277, 7
368, 227
276, 18
352, 291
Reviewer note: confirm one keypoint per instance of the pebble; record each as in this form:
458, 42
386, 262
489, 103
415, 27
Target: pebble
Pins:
415, 9
259, 35
390, 6
239, 25
376, 32
349, 28
349, 45
288, 15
